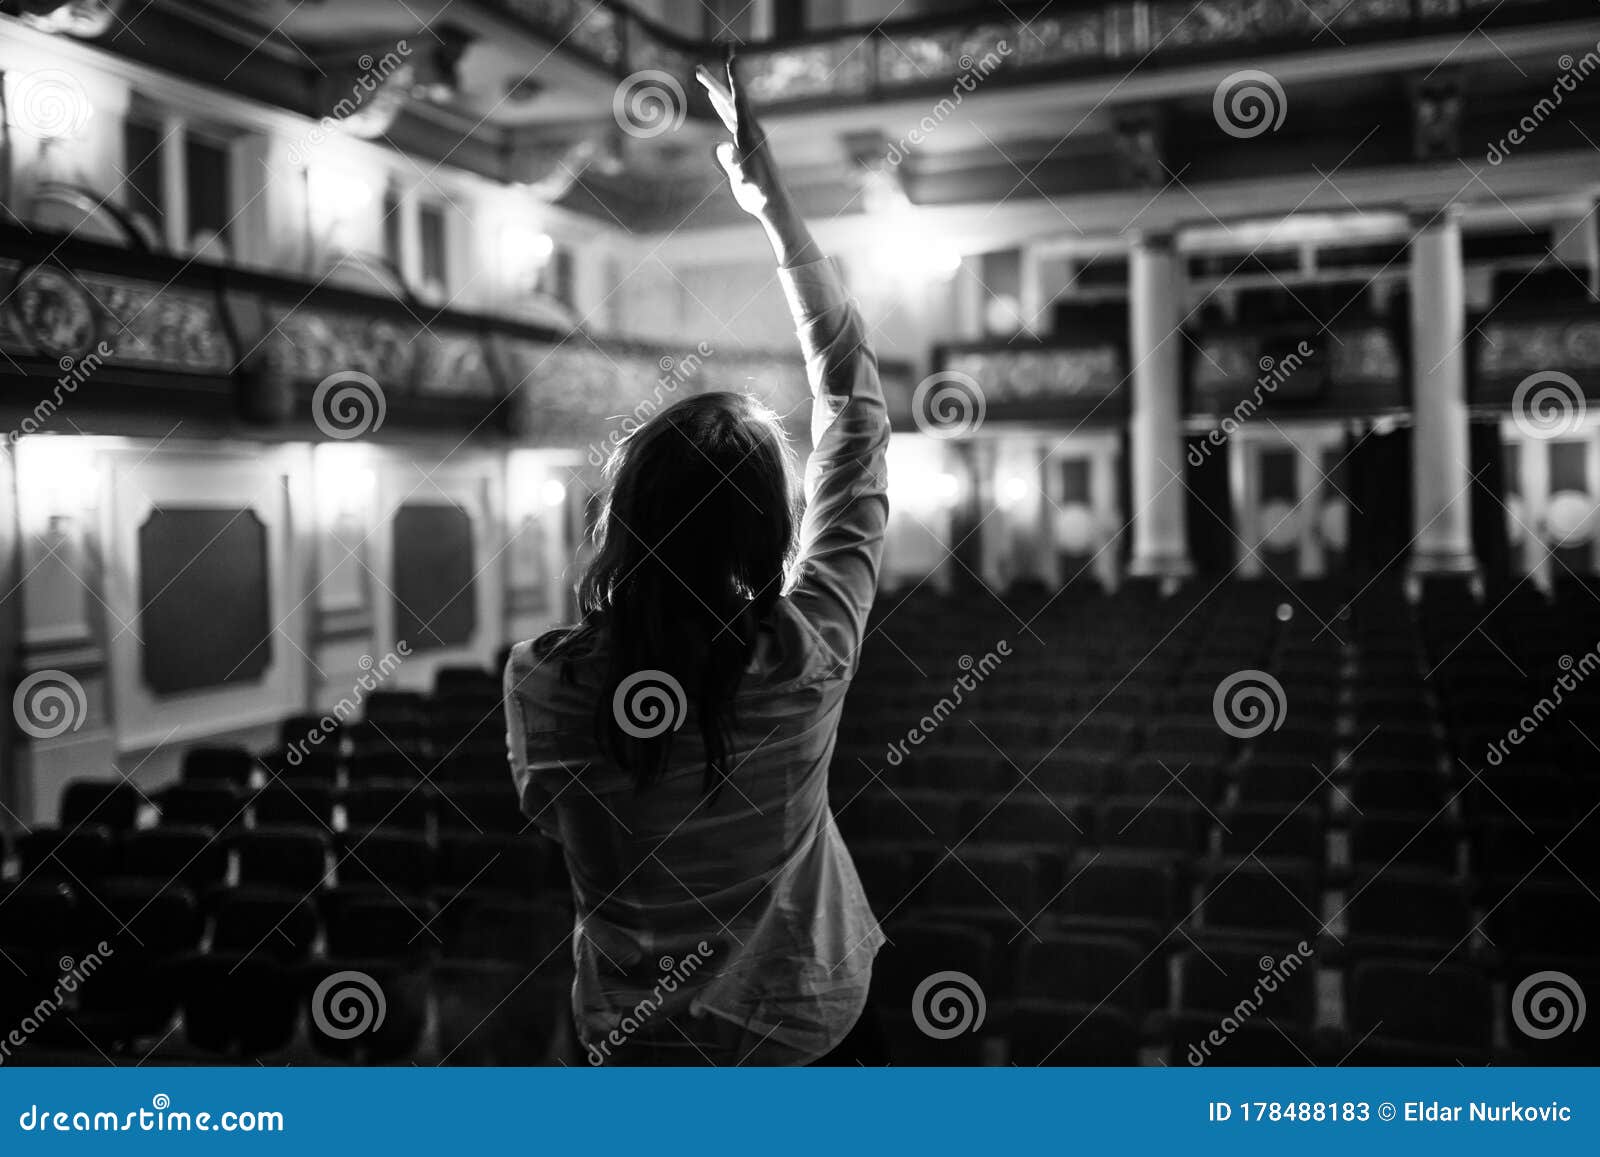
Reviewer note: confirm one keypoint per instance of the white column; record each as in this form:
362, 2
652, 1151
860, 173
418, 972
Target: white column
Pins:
410, 211
175, 184
1031, 299
1441, 476
1160, 543
969, 296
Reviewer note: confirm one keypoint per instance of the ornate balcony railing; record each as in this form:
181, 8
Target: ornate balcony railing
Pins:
1017, 42
119, 335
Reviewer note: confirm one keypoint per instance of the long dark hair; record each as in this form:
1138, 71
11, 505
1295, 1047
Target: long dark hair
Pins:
692, 548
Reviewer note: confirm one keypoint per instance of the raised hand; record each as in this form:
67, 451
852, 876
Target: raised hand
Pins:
750, 169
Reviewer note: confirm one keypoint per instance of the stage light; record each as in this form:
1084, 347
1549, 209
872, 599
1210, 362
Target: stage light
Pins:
527, 248
50, 105
335, 199
553, 492
346, 483
947, 488
57, 479
1014, 489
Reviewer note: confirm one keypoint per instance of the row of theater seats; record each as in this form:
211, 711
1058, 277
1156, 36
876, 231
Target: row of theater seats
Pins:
1078, 835
1082, 835
227, 899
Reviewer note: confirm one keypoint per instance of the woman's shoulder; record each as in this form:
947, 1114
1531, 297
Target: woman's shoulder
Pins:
549, 679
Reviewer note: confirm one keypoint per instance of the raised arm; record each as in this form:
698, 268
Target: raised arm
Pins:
847, 507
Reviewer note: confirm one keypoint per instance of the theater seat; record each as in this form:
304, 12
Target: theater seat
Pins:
1056, 1033
1409, 912
81, 856
136, 990
1261, 901
193, 856
363, 926
243, 1007
1163, 827
1536, 916
1129, 896
218, 766
294, 803
1275, 833
389, 805
902, 814
109, 803
1087, 969
265, 924
206, 805
1053, 825
1445, 1006
1261, 1041
384, 862
295, 859
1216, 978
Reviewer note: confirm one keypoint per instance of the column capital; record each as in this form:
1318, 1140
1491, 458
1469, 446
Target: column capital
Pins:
1155, 241
1442, 217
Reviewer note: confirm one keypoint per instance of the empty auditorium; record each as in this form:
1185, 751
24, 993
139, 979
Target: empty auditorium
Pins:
860, 535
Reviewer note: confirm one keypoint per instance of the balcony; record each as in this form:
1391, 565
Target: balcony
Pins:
126, 342
1019, 43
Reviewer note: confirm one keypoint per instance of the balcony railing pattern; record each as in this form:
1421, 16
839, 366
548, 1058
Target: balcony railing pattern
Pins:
1037, 39
159, 333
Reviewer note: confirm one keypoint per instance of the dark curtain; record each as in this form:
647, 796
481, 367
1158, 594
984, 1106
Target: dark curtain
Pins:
1490, 542
1380, 488
1212, 549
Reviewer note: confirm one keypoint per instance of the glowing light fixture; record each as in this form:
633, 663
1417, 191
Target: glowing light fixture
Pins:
57, 478
346, 482
50, 104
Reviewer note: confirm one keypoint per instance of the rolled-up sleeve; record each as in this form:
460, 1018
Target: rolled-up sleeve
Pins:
847, 503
